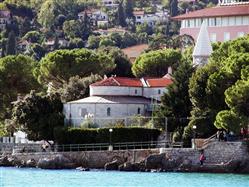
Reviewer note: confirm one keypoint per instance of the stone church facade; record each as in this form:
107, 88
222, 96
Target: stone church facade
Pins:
116, 98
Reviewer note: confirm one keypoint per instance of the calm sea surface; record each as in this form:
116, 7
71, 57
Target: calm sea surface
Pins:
68, 178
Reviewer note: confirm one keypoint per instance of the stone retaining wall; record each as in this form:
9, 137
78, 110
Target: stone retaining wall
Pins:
92, 159
216, 153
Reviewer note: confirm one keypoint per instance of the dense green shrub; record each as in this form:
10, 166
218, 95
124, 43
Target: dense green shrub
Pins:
84, 136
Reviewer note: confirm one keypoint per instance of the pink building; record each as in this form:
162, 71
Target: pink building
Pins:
227, 21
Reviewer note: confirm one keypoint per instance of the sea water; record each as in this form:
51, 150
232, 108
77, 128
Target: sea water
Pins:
68, 178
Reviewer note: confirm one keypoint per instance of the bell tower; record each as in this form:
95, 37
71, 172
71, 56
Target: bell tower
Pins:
203, 47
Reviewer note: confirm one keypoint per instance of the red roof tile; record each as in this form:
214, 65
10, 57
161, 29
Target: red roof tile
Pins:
138, 12
218, 11
158, 82
119, 81
135, 51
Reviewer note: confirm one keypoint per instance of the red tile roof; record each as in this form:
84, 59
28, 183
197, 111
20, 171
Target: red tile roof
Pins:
135, 51
133, 82
218, 11
119, 81
158, 82
138, 12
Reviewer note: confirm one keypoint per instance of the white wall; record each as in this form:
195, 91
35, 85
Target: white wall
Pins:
100, 111
115, 90
154, 92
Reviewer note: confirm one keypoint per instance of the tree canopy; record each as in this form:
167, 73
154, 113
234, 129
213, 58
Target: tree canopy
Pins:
58, 66
77, 88
38, 116
15, 78
217, 91
156, 63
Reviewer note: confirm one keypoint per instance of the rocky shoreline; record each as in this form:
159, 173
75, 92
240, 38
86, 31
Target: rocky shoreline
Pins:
152, 163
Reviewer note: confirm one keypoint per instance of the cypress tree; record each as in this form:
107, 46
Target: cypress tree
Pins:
11, 44
121, 15
173, 8
128, 6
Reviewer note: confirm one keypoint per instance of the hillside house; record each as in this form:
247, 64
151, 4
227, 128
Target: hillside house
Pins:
110, 3
97, 17
151, 19
5, 18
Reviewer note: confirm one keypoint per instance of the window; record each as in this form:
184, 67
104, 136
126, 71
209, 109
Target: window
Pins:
82, 112
225, 21
108, 111
213, 37
192, 23
135, 91
226, 36
159, 91
238, 20
138, 17
138, 111
218, 21
231, 21
211, 22
188, 23
198, 22
245, 20
240, 34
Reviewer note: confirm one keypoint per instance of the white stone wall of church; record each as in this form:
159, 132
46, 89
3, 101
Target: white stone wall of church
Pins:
115, 90
154, 92
100, 111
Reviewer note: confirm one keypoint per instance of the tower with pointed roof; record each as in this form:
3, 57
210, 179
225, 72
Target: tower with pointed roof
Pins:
203, 47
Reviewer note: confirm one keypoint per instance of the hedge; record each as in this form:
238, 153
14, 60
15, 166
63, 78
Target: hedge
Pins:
86, 136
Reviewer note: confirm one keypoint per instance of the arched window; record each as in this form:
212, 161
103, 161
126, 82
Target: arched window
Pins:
108, 111
138, 111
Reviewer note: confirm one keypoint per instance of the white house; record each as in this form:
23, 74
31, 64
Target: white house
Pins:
5, 18
97, 17
151, 19
117, 98
110, 3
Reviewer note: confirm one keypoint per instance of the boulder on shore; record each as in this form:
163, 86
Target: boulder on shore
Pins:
5, 162
56, 162
128, 166
112, 165
154, 161
31, 163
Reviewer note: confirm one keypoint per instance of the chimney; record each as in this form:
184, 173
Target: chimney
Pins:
170, 70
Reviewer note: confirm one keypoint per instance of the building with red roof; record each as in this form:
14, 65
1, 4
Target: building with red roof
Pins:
229, 20
118, 98
135, 51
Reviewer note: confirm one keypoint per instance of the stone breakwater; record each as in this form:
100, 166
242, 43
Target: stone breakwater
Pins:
222, 157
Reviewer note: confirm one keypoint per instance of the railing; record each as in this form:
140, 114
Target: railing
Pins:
208, 140
97, 147
138, 121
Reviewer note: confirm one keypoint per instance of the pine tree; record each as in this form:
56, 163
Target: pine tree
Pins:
11, 44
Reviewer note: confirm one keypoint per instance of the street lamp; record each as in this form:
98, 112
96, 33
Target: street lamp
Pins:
110, 142
194, 128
